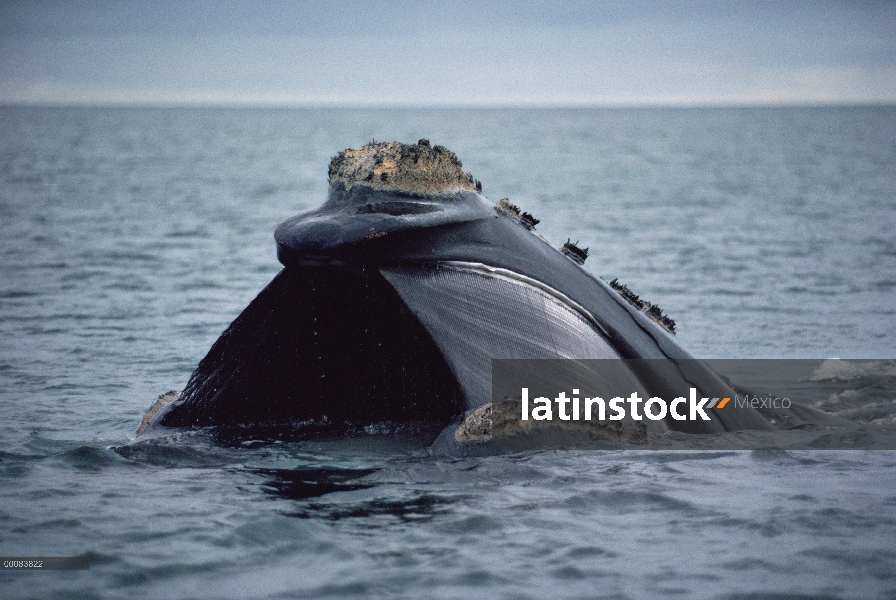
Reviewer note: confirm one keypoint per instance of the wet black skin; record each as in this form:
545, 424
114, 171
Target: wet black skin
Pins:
331, 337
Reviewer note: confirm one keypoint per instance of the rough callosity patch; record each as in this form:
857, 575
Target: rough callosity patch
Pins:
476, 427
163, 401
651, 310
501, 422
512, 210
572, 250
409, 168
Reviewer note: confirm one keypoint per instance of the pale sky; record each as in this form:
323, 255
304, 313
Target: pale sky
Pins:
410, 53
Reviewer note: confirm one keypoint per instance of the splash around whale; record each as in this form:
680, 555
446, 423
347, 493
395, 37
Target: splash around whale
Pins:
395, 296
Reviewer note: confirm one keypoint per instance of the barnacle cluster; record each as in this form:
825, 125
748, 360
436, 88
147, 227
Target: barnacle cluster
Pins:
651, 310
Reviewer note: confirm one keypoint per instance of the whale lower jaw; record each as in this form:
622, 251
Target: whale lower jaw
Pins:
402, 343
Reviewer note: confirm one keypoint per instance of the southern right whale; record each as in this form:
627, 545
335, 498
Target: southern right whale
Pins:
398, 291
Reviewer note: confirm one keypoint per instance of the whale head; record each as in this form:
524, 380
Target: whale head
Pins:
396, 295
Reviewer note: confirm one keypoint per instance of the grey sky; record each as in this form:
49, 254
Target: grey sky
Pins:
447, 53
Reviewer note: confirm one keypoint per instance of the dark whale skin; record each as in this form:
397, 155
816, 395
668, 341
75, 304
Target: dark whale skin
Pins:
337, 334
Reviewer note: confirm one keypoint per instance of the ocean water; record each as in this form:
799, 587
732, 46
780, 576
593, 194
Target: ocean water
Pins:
132, 237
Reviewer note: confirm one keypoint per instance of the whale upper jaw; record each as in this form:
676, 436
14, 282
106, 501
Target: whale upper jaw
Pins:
381, 189
363, 213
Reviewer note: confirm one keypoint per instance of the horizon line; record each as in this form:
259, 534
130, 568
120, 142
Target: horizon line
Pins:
454, 106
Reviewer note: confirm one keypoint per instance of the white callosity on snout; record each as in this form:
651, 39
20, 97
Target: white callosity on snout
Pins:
418, 169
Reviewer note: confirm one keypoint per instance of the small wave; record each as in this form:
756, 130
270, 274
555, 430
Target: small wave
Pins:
836, 401
178, 450
877, 413
90, 458
15, 294
415, 508
195, 232
416, 433
835, 369
301, 484
859, 406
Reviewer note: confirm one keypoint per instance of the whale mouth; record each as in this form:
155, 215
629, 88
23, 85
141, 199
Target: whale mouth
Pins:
397, 208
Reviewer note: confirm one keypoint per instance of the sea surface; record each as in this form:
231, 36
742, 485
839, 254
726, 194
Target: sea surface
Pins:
130, 238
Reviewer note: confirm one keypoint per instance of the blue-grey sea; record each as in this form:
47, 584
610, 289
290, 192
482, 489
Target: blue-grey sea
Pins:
130, 238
